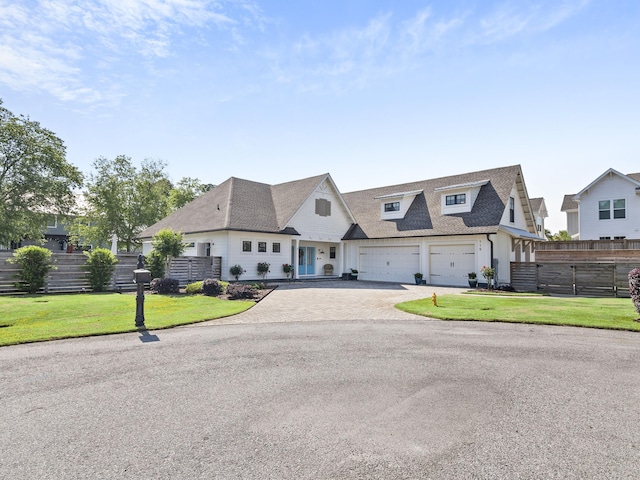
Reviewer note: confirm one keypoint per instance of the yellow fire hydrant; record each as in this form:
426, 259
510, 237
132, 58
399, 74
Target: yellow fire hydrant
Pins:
434, 299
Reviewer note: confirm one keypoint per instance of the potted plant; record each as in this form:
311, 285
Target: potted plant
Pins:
263, 269
287, 269
236, 271
354, 274
473, 279
418, 277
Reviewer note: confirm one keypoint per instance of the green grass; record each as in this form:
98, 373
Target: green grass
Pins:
610, 313
32, 318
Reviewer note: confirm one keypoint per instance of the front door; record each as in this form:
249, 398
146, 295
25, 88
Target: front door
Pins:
306, 260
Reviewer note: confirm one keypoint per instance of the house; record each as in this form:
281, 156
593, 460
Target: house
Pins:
606, 209
540, 212
443, 228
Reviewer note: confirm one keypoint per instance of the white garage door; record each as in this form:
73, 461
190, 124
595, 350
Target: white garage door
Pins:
389, 264
451, 264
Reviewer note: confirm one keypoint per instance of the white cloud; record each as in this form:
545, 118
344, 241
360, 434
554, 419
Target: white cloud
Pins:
64, 47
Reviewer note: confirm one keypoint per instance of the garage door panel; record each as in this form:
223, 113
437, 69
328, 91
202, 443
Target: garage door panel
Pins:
389, 264
450, 264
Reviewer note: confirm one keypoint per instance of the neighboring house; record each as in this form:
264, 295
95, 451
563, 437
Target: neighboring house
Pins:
540, 212
443, 228
606, 209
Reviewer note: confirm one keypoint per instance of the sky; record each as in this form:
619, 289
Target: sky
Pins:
373, 92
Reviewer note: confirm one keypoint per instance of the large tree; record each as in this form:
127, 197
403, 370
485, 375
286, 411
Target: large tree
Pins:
122, 200
36, 181
186, 190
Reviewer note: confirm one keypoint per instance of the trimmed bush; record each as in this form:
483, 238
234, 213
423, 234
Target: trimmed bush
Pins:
194, 288
101, 264
634, 287
211, 287
165, 285
240, 291
35, 263
236, 271
154, 262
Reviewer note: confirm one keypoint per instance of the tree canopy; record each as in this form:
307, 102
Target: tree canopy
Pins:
36, 181
122, 199
186, 190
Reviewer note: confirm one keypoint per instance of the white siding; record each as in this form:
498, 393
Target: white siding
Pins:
610, 187
312, 226
519, 220
249, 260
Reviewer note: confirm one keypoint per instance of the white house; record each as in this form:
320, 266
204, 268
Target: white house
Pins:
443, 228
539, 208
606, 209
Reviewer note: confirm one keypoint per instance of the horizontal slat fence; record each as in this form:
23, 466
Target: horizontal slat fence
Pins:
70, 276
593, 279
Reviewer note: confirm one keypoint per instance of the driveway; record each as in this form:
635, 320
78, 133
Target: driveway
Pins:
336, 300
387, 398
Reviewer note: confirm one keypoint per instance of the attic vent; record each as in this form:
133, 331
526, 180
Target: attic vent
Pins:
323, 207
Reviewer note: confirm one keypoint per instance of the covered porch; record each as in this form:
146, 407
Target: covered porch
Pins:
316, 259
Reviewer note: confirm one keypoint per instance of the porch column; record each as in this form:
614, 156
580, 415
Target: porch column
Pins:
296, 245
341, 258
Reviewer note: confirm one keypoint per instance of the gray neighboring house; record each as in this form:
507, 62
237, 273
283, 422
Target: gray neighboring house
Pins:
540, 212
443, 228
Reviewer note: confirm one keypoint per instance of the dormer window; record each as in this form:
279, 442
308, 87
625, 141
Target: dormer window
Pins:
392, 207
459, 199
395, 205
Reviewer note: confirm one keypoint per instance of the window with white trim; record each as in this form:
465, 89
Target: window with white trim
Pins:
457, 199
262, 247
246, 246
512, 209
275, 247
619, 209
392, 207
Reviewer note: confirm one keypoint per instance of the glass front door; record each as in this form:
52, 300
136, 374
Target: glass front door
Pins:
306, 260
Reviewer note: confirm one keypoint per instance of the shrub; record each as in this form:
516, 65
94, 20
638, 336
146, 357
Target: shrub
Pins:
165, 285
634, 287
101, 264
238, 291
212, 287
154, 262
263, 269
168, 244
194, 288
236, 271
34, 263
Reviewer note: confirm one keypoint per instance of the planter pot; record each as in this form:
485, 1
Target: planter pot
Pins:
418, 280
473, 282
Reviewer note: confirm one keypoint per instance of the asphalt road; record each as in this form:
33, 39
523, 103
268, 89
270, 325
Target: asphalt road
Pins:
325, 400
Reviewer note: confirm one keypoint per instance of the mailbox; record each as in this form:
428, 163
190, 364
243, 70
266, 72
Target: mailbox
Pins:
141, 276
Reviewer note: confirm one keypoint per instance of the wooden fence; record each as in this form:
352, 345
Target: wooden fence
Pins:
69, 275
573, 278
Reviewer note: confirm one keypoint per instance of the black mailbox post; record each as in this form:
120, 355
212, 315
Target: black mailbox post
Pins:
140, 277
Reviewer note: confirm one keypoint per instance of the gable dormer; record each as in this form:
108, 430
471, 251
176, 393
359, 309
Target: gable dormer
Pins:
459, 198
395, 205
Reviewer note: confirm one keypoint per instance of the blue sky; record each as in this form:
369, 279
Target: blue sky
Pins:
374, 92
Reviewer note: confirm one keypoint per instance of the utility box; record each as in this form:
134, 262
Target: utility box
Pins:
141, 276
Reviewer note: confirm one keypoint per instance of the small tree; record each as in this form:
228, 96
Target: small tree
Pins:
634, 287
263, 269
155, 264
101, 264
35, 263
236, 271
168, 244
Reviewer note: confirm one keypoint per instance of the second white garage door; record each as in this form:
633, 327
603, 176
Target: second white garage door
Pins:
389, 264
451, 264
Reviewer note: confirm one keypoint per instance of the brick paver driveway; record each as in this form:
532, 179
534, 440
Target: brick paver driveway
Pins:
348, 388
336, 300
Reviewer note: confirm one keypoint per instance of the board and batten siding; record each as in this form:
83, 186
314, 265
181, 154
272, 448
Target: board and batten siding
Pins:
610, 187
320, 228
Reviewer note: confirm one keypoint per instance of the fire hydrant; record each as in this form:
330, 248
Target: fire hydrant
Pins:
434, 299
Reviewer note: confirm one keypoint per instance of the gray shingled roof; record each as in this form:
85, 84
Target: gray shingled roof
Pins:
536, 203
568, 203
238, 204
635, 176
423, 217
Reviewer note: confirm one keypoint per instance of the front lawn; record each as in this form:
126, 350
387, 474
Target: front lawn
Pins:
611, 313
31, 318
